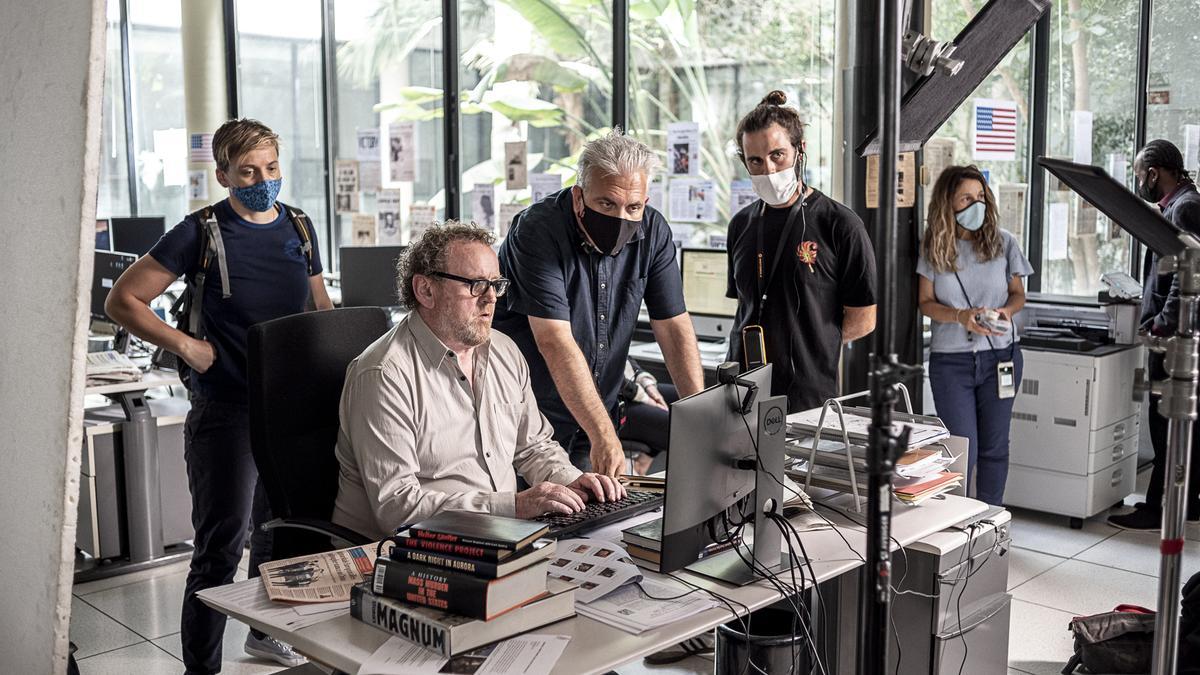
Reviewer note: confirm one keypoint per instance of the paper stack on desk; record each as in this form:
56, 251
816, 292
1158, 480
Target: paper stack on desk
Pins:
642, 607
921, 474
110, 368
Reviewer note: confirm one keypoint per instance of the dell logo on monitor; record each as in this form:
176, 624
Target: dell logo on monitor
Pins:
773, 422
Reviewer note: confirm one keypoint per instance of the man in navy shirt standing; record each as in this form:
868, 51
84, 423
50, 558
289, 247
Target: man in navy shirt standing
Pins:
582, 261
262, 272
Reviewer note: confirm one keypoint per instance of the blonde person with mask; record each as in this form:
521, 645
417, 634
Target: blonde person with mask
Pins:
970, 287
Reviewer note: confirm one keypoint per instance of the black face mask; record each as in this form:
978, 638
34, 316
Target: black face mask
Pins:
1149, 193
609, 234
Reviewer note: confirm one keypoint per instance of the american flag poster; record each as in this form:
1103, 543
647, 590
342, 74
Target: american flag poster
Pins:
994, 130
200, 148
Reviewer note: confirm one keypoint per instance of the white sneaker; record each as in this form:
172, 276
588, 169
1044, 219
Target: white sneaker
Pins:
271, 649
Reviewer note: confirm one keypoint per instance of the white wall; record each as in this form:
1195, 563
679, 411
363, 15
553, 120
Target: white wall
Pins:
51, 79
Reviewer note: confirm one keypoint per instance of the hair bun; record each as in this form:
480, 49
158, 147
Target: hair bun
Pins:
776, 97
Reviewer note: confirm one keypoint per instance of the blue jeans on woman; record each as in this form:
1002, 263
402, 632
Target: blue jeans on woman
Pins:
965, 393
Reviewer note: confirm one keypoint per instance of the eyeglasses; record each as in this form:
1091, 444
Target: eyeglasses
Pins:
478, 286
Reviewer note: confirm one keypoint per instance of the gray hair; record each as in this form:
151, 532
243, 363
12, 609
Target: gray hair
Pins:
428, 254
615, 155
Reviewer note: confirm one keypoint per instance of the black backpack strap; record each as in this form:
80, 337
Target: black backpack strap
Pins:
300, 222
211, 248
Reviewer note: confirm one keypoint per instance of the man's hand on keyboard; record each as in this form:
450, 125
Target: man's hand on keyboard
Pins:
598, 487
548, 498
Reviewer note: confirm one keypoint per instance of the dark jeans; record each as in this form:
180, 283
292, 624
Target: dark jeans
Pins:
1158, 439
964, 391
226, 498
649, 424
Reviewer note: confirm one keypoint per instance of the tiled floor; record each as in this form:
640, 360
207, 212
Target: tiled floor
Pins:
131, 624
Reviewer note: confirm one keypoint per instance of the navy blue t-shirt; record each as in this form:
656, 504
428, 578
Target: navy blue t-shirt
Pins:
268, 279
556, 275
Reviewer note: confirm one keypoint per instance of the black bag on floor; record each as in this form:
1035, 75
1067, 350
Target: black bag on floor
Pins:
1120, 641
1189, 628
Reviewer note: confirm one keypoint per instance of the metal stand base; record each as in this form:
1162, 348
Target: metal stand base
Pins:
92, 569
729, 567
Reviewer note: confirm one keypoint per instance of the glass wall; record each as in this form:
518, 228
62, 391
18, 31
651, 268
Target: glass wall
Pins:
710, 62
157, 102
389, 81
280, 84
1173, 92
1092, 95
991, 128
530, 74
112, 195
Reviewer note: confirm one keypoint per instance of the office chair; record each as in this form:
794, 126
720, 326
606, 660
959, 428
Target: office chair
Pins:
296, 367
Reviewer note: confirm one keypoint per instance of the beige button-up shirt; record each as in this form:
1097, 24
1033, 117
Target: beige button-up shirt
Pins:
416, 438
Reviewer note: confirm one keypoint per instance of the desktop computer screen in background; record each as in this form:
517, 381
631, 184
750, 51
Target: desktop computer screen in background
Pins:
102, 242
705, 274
108, 267
369, 276
136, 235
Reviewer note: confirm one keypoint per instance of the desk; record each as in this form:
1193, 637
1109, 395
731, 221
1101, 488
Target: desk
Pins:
649, 356
344, 643
130, 534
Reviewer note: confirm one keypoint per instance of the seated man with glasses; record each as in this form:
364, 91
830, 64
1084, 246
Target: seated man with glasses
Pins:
438, 413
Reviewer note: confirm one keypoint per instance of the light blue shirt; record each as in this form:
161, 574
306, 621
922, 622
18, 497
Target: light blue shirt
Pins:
986, 285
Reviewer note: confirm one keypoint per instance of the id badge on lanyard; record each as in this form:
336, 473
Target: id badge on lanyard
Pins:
1006, 379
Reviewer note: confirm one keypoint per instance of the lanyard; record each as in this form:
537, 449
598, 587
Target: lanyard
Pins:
797, 209
971, 305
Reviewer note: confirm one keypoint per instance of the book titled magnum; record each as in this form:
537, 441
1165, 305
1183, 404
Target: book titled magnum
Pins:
449, 634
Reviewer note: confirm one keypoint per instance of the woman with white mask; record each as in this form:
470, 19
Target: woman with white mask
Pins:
970, 287
800, 264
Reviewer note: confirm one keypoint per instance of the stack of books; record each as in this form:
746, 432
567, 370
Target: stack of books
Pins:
643, 543
457, 578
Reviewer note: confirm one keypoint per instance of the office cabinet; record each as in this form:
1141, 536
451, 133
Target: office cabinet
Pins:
101, 523
959, 608
1073, 447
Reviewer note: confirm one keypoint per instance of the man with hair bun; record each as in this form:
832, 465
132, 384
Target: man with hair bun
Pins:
439, 414
800, 264
266, 266
1162, 179
582, 261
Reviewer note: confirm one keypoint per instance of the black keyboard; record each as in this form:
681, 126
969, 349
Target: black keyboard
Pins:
598, 514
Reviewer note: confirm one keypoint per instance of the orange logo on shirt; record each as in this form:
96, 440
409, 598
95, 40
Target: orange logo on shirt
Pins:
807, 252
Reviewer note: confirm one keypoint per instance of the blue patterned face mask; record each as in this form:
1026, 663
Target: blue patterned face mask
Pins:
260, 196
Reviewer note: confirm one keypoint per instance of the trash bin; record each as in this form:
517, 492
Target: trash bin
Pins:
771, 645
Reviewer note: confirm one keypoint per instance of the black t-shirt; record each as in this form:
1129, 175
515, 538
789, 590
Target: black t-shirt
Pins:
826, 264
268, 279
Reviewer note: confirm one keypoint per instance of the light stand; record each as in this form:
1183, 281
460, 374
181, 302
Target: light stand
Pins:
1179, 252
1178, 405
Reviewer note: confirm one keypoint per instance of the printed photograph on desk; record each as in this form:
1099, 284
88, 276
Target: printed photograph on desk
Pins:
597, 567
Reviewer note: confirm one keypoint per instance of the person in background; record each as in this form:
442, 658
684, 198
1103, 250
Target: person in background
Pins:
582, 260
800, 264
1162, 180
266, 274
970, 288
647, 419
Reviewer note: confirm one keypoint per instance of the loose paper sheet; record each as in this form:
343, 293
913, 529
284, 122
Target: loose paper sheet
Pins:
388, 216
368, 145
683, 148
543, 184
1059, 216
693, 200
515, 165
402, 152
741, 195
483, 205
1081, 128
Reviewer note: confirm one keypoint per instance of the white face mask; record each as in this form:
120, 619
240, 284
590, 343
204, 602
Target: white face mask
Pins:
776, 188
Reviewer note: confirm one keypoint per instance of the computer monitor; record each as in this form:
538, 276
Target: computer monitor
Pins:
136, 235
108, 267
705, 280
711, 467
369, 276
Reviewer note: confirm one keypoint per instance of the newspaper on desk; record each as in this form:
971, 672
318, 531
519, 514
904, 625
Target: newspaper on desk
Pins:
110, 367
320, 577
249, 599
649, 604
597, 567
